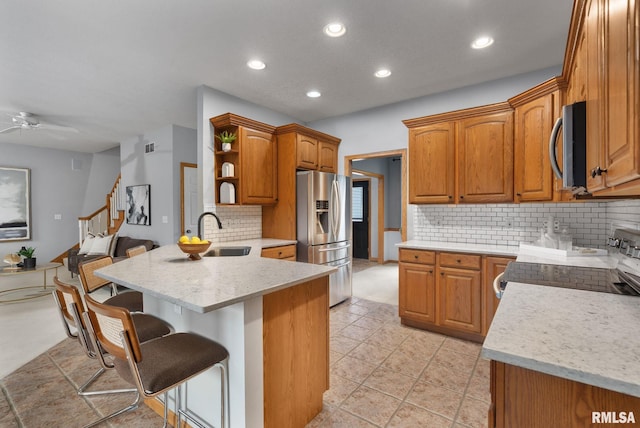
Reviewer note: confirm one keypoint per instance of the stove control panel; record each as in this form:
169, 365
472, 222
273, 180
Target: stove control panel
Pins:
626, 241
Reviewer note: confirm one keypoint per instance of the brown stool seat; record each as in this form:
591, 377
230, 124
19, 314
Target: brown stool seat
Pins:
149, 327
130, 300
169, 360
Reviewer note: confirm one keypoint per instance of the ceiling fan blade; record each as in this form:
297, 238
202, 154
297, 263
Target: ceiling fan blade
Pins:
52, 127
10, 129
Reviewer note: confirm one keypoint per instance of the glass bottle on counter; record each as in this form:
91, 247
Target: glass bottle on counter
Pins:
565, 241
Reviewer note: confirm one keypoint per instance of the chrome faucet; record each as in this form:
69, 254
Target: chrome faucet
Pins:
200, 222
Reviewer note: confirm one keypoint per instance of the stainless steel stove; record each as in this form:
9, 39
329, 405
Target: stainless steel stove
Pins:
624, 245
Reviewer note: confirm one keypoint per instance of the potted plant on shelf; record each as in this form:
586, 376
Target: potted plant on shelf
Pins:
226, 138
29, 262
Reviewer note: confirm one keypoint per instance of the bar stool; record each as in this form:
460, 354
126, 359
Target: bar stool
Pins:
159, 365
140, 249
131, 300
70, 307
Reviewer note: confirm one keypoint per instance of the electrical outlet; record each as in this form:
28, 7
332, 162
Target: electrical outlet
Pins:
556, 225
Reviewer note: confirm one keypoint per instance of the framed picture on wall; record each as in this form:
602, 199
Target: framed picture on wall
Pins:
138, 209
15, 204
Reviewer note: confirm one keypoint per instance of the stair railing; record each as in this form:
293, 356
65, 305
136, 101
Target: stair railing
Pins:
106, 219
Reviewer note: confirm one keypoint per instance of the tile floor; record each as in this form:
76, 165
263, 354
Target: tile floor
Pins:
386, 375
382, 374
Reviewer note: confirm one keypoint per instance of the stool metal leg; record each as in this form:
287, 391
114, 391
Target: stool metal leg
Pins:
224, 398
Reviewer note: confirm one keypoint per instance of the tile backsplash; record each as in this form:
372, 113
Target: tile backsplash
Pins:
238, 223
509, 224
500, 224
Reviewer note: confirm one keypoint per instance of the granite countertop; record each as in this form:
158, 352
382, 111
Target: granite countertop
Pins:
497, 250
212, 282
583, 336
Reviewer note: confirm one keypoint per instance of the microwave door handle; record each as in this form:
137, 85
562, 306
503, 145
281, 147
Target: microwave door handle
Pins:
552, 148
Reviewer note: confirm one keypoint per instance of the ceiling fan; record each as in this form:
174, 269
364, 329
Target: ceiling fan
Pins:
28, 121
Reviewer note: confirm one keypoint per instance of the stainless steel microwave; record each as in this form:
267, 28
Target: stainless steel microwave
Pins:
574, 147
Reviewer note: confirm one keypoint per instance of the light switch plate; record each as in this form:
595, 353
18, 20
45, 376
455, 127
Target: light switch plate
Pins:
165, 219
57, 216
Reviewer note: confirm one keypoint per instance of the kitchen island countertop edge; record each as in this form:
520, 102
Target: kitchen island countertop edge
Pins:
212, 282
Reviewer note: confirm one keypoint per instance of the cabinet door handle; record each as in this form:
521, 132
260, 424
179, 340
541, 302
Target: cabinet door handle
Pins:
441, 273
431, 271
459, 261
461, 197
597, 171
450, 197
415, 256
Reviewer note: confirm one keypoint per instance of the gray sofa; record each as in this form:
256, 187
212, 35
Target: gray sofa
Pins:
123, 243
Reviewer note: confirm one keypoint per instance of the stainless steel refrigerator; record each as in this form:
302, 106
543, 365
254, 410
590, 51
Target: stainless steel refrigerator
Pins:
324, 227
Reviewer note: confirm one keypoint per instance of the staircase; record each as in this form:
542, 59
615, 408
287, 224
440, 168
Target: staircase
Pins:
106, 219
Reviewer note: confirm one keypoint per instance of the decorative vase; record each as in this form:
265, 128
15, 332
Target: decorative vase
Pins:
226, 147
29, 263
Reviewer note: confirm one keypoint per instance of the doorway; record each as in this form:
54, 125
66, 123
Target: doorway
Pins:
360, 206
397, 198
188, 198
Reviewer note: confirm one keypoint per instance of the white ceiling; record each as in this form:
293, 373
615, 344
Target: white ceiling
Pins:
115, 69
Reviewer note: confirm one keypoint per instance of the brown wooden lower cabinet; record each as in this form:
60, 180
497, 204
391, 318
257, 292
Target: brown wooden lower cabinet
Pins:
284, 252
448, 292
526, 398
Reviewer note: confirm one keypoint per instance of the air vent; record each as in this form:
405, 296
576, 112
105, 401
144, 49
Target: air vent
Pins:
149, 148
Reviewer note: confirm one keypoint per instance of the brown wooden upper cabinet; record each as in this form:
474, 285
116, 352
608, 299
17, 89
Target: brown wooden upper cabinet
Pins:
299, 148
306, 152
314, 150
432, 163
472, 147
535, 112
254, 157
601, 66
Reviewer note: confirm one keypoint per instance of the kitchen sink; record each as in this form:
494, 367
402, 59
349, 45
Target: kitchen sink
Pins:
227, 251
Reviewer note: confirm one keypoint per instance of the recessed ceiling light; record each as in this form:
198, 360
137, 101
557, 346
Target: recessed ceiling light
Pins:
383, 72
335, 29
313, 94
482, 42
256, 64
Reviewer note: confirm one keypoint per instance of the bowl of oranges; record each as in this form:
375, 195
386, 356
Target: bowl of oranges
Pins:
193, 246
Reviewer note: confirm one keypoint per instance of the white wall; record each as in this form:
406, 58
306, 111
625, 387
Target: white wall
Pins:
161, 170
101, 179
56, 188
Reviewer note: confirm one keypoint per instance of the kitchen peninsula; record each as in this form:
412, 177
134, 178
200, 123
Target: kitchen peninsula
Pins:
560, 356
271, 315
